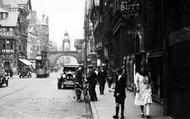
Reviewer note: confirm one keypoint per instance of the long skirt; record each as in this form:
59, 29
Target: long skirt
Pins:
143, 97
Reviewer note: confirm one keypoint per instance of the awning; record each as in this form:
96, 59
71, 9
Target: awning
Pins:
25, 61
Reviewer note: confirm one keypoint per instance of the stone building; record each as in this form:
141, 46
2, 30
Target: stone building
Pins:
14, 31
42, 28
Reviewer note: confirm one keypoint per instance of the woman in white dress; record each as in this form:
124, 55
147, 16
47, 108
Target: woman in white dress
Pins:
143, 96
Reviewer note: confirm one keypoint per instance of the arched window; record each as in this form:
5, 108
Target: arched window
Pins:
3, 15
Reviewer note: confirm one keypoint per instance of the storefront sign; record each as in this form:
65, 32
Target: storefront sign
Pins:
7, 51
6, 32
130, 7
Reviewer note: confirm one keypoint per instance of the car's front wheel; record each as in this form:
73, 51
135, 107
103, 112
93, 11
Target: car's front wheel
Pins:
59, 85
7, 82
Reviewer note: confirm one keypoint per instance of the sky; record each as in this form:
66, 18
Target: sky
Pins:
64, 15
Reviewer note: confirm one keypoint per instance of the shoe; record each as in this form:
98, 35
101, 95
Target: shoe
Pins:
122, 116
115, 116
148, 116
142, 115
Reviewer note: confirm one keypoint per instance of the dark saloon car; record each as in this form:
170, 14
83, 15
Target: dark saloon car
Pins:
67, 78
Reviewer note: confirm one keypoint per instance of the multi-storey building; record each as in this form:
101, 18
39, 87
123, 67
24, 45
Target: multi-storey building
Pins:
14, 31
79, 44
155, 30
89, 38
52, 46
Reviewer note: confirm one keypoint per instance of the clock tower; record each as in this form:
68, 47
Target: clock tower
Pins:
66, 42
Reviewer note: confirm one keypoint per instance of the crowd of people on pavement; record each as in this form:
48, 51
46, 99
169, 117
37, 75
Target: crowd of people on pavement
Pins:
116, 80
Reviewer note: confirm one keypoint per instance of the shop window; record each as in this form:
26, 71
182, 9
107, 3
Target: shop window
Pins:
155, 65
3, 15
24, 48
11, 46
4, 46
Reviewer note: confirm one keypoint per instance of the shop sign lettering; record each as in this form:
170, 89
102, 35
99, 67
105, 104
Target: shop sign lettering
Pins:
6, 32
130, 7
7, 51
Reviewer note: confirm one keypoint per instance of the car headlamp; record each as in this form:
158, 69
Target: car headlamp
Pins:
63, 75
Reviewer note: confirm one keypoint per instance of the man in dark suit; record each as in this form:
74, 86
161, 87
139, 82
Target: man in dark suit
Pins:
92, 84
102, 79
119, 94
79, 81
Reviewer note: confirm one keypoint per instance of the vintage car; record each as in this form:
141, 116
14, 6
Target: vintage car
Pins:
67, 77
25, 72
4, 78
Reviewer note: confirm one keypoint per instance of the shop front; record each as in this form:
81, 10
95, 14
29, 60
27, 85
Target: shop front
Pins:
155, 65
8, 49
179, 73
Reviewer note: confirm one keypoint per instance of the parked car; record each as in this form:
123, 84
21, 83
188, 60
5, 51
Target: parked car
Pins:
25, 72
67, 77
4, 78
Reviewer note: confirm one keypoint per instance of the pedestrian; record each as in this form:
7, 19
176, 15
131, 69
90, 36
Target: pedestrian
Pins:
79, 81
114, 78
119, 94
102, 79
92, 84
110, 78
143, 97
2, 71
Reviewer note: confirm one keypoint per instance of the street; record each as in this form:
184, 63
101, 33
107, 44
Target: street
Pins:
39, 98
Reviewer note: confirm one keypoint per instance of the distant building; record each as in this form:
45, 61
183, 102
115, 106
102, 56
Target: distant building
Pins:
33, 37
32, 44
79, 44
52, 46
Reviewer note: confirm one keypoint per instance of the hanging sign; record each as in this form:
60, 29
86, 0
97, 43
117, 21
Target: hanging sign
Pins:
6, 32
130, 7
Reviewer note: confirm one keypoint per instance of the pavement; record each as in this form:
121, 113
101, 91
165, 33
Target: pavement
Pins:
104, 108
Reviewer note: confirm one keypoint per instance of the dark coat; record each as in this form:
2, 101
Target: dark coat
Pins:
120, 87
92, 77
102, 76
79, 76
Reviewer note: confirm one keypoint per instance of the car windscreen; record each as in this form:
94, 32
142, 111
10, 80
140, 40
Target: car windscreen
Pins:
70, 69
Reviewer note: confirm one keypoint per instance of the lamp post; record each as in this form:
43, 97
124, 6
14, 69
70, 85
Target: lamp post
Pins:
86, 28
85, 51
